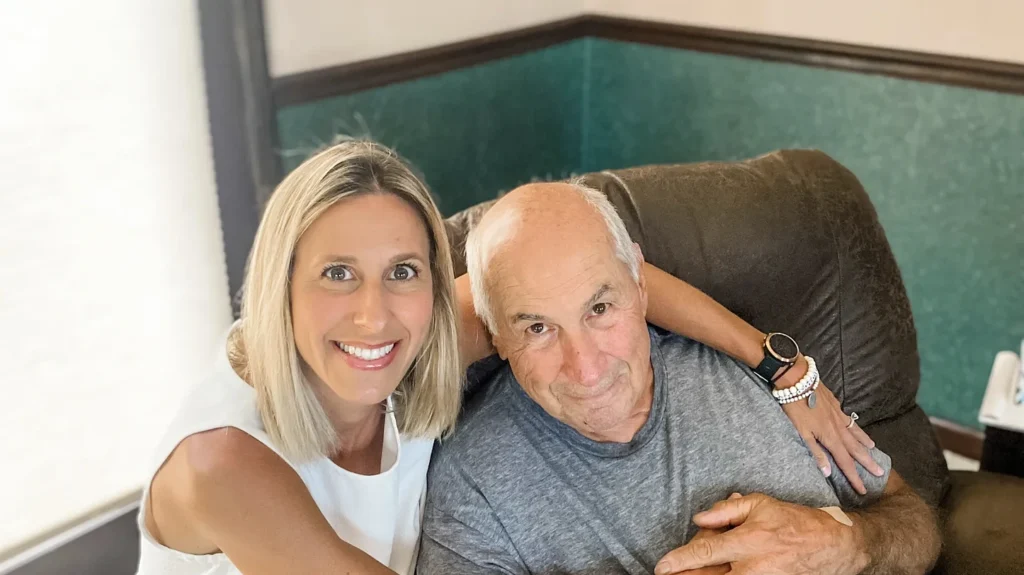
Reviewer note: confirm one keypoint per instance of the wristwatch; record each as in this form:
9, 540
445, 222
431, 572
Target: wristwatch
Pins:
780, 351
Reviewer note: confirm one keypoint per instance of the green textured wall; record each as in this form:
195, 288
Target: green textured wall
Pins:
471, 132
943, 165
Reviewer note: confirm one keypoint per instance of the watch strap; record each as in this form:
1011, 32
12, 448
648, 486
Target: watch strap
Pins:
768, 366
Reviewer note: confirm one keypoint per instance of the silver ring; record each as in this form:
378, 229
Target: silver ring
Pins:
853, 419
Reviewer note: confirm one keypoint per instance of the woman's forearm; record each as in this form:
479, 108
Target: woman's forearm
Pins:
681, 308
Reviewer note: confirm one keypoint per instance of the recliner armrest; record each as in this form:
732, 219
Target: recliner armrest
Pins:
983, 525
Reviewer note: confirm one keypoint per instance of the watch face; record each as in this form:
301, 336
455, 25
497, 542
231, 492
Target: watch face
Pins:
783, 347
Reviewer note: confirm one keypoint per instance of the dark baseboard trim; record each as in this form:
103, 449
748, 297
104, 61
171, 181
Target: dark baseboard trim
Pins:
338, 80
958, 439
935, 68
357, 76
106, 543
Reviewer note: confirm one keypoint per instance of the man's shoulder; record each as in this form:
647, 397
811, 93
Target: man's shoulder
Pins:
704, 372
665, 340
676, 349
487, 426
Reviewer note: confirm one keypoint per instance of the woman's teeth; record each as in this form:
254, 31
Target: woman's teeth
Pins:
367, 354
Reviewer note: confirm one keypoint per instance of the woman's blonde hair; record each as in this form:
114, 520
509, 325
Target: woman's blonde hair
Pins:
262, 347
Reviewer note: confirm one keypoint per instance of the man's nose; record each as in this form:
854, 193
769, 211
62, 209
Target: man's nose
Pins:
371, 309
584, 362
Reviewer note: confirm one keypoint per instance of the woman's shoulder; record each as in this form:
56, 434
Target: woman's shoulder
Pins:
219, 400
207, 475
224, 454
211, 463
208, 486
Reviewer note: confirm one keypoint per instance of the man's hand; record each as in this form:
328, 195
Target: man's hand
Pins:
769, 537
825, 426
714, 569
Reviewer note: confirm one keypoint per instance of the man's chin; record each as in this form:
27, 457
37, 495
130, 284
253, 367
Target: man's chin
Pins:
604, 424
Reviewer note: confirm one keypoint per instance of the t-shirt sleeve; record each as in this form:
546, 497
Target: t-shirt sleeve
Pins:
847, 495
461, 534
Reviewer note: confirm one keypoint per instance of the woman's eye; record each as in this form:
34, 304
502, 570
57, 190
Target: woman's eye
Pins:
536, 329
403, 272
337, 273
599, 308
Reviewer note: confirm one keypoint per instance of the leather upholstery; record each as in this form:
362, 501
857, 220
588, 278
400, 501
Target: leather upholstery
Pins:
983, 525
790, 242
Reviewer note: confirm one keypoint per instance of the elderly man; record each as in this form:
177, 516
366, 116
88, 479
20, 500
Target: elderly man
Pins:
605, 446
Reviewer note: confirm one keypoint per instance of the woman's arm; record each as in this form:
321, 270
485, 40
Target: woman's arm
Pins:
222, 490
681, 308
474, 341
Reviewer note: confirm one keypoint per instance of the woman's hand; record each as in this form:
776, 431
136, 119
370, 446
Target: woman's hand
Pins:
825, 427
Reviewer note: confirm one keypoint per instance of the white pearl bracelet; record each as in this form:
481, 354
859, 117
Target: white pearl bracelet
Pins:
802, 387
802, 396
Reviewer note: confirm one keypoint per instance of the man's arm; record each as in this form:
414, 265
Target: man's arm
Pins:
900, 532
897, 534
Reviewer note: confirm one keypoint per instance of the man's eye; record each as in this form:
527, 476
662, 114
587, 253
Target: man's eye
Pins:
337, 273
599, 308
536, 329
404, 272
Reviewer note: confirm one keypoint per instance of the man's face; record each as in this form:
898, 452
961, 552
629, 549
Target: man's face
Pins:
571, 322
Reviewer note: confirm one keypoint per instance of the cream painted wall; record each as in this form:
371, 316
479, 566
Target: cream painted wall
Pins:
306, 35
113, 289
309, 34
988, 29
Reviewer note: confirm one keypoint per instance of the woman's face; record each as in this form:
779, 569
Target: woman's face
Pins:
362, 296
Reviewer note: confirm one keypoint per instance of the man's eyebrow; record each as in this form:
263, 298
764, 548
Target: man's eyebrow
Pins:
600, 293
516, 318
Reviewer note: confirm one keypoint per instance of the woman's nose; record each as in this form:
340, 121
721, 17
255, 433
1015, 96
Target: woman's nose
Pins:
371, 311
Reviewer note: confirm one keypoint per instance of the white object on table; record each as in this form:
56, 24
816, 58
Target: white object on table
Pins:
1003, 406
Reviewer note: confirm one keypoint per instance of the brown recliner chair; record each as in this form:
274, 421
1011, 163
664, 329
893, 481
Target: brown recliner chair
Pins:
791, 242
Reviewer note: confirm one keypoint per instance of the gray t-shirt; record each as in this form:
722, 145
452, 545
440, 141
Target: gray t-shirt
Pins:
516, 491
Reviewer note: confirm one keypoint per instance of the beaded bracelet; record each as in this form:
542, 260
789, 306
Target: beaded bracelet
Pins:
798, 391
801, 387
802, 396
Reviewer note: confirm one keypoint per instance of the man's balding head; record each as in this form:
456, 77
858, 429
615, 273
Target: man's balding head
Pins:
556, 279
552, 212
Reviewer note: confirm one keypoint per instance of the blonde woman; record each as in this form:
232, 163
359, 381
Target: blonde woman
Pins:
306, 450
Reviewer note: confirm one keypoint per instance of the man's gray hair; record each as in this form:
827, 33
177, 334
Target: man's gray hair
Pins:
483, 241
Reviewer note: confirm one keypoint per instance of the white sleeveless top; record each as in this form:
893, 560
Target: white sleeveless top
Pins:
380, 514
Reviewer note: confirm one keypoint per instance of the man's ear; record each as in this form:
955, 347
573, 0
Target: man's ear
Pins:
499, 345
641, 276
